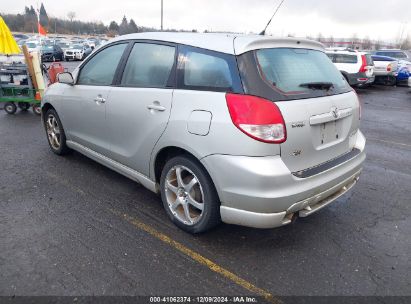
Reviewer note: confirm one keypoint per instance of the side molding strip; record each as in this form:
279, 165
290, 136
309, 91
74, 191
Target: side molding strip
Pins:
116, 166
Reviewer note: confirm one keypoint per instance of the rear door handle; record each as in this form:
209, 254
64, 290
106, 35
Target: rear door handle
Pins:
156, 107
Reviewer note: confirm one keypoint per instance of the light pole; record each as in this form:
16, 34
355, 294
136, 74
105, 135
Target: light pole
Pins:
161, 14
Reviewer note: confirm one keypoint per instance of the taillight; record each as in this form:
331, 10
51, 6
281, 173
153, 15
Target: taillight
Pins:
389, 67
258, 118
363, 64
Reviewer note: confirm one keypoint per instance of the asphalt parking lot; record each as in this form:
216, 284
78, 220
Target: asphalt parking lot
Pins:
69, 226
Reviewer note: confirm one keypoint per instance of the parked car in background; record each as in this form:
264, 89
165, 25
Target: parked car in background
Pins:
51, 53
20, 37
403, 77
356, 67
397, 54
250, 130
33, 46
403, 57
77, 52
64, 45
385, 69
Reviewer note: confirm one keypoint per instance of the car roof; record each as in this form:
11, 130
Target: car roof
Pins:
225, 43
346, 52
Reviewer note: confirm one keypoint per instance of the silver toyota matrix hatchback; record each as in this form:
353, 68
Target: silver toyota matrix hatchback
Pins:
248, 130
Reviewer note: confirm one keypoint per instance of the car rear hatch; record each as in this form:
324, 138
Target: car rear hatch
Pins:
320, 110
318, 129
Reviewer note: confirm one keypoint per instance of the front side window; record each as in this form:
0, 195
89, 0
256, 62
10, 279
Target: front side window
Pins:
149, 65
100, 69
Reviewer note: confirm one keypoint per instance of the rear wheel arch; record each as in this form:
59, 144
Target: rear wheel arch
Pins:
164, 155
45, 108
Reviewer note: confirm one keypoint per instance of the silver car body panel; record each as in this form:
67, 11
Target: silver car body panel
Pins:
134, 132
116, 166
255, 181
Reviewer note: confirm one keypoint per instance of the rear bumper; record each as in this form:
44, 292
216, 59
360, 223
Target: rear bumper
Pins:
302, 209
360, 79
261, 192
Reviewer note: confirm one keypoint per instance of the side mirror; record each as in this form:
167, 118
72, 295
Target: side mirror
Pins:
66, 78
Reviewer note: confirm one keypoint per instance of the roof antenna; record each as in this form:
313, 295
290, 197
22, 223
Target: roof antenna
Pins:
276, 10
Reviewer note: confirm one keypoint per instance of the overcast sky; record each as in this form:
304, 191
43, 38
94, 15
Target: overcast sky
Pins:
378, 19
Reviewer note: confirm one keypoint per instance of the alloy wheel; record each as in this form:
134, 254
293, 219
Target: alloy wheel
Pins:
184, 195
53, 131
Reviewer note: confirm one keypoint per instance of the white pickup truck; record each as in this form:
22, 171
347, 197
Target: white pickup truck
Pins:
385, 69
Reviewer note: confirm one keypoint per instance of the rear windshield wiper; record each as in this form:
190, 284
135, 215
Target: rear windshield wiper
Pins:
317, 85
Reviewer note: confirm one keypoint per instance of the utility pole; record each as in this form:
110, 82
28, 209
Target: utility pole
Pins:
161, 14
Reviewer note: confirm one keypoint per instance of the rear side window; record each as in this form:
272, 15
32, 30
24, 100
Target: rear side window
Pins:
204, 70
344, 58
100, 69
149, 65
288, 70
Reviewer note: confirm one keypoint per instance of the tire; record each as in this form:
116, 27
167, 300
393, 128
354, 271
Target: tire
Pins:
36, 109
179, 196
391, 81
55, 133
10, 107
24, 106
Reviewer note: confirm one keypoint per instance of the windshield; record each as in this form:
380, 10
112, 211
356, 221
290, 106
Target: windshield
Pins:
289, 70
47, 48
31, 45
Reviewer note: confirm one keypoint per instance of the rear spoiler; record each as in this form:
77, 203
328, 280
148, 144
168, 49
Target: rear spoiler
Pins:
243, 44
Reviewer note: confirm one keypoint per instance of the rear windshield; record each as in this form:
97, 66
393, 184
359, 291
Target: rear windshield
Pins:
398, 55
289, 70
383, 58
282, 74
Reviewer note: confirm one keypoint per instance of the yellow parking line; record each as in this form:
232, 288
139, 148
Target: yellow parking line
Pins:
389, 142
199, 258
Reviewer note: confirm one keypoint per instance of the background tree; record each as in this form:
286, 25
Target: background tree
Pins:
113, 26
71, 16
377, 44
366, 43
330, 41
406, 45
132, 27
123, 28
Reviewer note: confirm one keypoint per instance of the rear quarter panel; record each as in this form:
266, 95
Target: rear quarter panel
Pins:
222, 138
